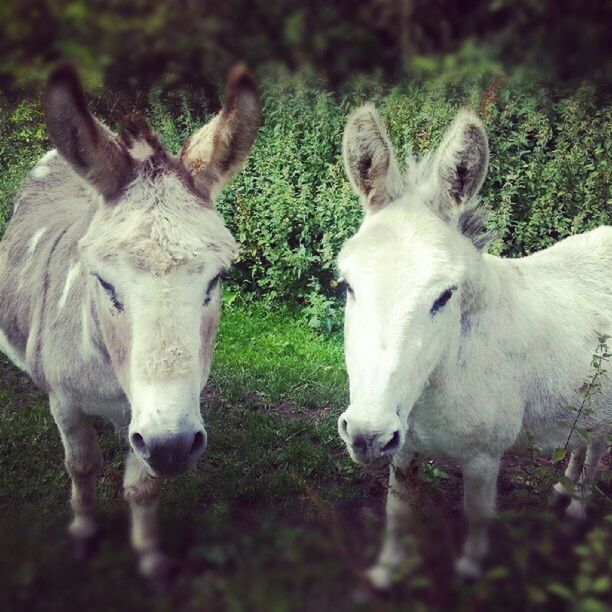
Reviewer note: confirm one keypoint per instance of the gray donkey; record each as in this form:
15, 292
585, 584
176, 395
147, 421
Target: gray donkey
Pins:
109, 290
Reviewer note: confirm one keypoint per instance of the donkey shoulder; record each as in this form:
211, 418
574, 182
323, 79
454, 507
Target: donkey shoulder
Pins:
45, 222
583, 260
53, 183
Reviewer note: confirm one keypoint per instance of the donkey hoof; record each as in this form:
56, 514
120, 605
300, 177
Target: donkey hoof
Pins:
379, 577
467, 569
576, 510
157, 569
558, 496
84, 547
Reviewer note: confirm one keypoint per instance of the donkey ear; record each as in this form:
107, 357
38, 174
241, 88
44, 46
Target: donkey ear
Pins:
369, 160
91, 149
214, 154
461, 162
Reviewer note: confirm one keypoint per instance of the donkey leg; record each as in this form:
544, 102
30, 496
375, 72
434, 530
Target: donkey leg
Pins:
572, 473
479, 493
594, 453
141, 491
395, 549
83, 460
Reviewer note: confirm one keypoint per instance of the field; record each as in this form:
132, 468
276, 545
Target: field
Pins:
276, 517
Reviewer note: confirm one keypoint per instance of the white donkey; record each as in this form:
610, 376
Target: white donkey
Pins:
451, 351
109, 290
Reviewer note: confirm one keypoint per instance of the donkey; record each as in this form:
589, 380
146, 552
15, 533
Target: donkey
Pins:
451, 351
109, 290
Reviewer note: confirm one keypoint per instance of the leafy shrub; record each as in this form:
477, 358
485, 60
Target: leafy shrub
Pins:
22, 142
291, 208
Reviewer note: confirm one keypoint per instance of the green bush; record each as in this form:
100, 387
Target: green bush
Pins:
291, 207
22, 141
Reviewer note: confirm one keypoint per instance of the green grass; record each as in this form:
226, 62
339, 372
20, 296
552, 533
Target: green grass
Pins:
275, 517
243, 516
301, 369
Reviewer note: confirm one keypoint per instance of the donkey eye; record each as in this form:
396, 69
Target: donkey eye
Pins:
441, 301
110, 290
211, 286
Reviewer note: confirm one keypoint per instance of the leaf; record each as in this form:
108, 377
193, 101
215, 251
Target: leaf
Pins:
497, 573
583, 433
590, 604
583, 583
560, 590
558, 455
602, 584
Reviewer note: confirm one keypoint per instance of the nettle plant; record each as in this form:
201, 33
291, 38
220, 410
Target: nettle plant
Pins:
575, 482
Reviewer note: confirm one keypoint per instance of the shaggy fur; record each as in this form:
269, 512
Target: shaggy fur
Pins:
108, 296
453, 352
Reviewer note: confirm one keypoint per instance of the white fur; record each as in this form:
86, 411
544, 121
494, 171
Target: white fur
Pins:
141, 149
509, 351
47, 157
161, 225
41, 170
88, 349
74, 271
35, 239
11, 352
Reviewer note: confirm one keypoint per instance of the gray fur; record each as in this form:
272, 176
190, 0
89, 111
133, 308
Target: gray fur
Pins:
128, 207
449, 178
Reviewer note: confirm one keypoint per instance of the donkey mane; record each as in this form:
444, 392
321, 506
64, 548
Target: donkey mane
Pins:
161, 222
471, 222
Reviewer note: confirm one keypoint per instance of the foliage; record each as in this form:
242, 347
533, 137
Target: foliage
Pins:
277, 517
592, 392
291, 208
136, 46
22, 141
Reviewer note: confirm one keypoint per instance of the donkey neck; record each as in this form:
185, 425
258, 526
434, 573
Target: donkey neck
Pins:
497, 305
485, 286
490, 302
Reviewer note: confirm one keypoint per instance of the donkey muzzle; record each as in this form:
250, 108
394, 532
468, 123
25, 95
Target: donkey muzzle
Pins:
368, 446
169, 454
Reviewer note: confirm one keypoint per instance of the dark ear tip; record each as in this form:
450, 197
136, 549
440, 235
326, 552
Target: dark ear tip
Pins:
240, 79
65, 78
64, 75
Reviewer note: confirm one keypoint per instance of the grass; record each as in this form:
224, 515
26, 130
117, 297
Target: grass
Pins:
275, 517
271, 408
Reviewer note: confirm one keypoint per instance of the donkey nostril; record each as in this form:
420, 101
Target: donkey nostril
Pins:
393, 444
138, 443
198, 444
360, 444
344, 425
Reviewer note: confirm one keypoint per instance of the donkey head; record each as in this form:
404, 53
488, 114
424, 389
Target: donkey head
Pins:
405, 272
155, 250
